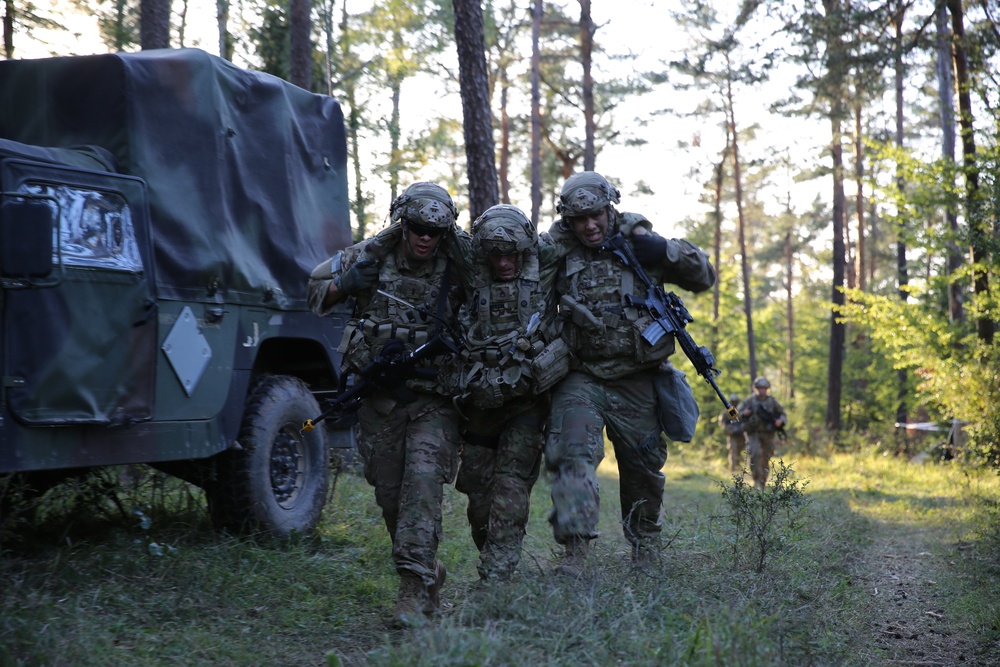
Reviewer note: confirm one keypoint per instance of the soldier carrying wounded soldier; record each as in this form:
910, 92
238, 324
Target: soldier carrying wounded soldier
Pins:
612, 382
405, 293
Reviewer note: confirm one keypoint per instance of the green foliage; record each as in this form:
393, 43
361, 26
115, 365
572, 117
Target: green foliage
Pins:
755, 514
271, 40
957, 376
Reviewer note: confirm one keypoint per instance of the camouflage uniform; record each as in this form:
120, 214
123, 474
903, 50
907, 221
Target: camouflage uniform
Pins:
502, 379
612, 384
758, 414
735, 439
409, 444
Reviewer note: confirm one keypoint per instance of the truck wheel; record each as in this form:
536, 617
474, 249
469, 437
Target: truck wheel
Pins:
277, 481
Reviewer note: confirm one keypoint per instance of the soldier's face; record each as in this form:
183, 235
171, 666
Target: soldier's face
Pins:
591, 228
761, 391
421, 241
504, 267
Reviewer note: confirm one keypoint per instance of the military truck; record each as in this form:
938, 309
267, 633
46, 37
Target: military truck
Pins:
159, 217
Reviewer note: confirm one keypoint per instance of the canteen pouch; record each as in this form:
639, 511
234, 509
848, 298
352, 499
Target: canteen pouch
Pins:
676, 406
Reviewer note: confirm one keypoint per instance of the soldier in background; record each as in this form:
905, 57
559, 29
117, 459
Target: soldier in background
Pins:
513, 356
762, 416
611, 385
409, 445
735, 440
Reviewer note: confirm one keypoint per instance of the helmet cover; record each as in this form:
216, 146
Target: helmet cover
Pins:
585, 193
503, 230
761, 381
424, 203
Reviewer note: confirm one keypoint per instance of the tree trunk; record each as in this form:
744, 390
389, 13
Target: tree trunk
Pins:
225, 37
790, 309
182, 26
536, 116
480, 152
858, 268
946, 97
300, 53
720, 170
978, 224
8, 28
738, 182
837, 329
504, 172
395, 87
836, 67
587, 30
359, 204
154, 26
902, 268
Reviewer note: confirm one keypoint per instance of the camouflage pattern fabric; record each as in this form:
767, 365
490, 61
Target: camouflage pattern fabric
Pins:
504, 434
582, 406
612, 386
500, 462
410, 451
760, 447
760, 434
735, 440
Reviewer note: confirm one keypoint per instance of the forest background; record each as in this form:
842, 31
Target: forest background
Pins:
838, 160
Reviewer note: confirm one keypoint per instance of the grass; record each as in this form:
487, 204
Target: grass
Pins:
159, 586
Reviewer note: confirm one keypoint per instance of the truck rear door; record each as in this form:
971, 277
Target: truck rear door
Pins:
79, 346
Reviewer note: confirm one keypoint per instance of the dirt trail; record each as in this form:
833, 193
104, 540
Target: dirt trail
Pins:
900, 571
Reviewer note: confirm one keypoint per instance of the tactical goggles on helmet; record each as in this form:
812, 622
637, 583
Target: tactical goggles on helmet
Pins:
491, 247
424, 230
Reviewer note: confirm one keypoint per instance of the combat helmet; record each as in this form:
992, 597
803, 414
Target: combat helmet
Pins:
503, 230
734, 398
424, 203
761, 381
585, 193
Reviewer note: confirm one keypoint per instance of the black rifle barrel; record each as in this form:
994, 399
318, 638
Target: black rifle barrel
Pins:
669, 306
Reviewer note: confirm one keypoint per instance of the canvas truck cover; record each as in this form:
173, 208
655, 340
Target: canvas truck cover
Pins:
246, 173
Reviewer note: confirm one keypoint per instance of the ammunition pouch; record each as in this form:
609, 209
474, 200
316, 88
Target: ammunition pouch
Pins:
550, 365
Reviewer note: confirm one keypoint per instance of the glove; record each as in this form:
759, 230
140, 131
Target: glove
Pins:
650, 249
361, 276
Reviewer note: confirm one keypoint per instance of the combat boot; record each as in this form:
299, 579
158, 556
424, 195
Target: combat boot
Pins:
434, 590
574, 558
411, 601
646, 553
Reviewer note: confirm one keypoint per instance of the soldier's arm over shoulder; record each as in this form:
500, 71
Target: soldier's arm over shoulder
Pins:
688, 266
457, 246
322, 293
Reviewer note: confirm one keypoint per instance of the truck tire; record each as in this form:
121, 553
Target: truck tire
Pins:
277, 480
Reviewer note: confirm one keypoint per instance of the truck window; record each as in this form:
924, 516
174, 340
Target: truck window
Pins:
95, 228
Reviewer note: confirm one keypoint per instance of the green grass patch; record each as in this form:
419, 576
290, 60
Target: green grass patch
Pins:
90, 589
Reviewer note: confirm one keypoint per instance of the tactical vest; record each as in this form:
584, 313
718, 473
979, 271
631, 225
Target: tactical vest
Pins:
379, 318
605, 332
756, 422
503, 360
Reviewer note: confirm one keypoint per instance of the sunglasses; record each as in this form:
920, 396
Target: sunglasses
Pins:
424, 230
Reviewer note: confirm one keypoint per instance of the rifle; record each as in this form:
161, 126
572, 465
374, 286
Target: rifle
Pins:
391, 368
769, 418
669, 316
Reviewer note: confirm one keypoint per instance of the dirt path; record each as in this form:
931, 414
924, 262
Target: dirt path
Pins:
900, 571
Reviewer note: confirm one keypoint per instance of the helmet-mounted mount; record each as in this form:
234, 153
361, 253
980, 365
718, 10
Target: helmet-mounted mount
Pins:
424, 203
586, 193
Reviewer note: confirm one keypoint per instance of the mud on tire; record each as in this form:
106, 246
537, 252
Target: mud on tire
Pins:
277, 481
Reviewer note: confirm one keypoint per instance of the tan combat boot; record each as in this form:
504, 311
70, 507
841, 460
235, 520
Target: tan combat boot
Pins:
411, 601
434, 590
574, 558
